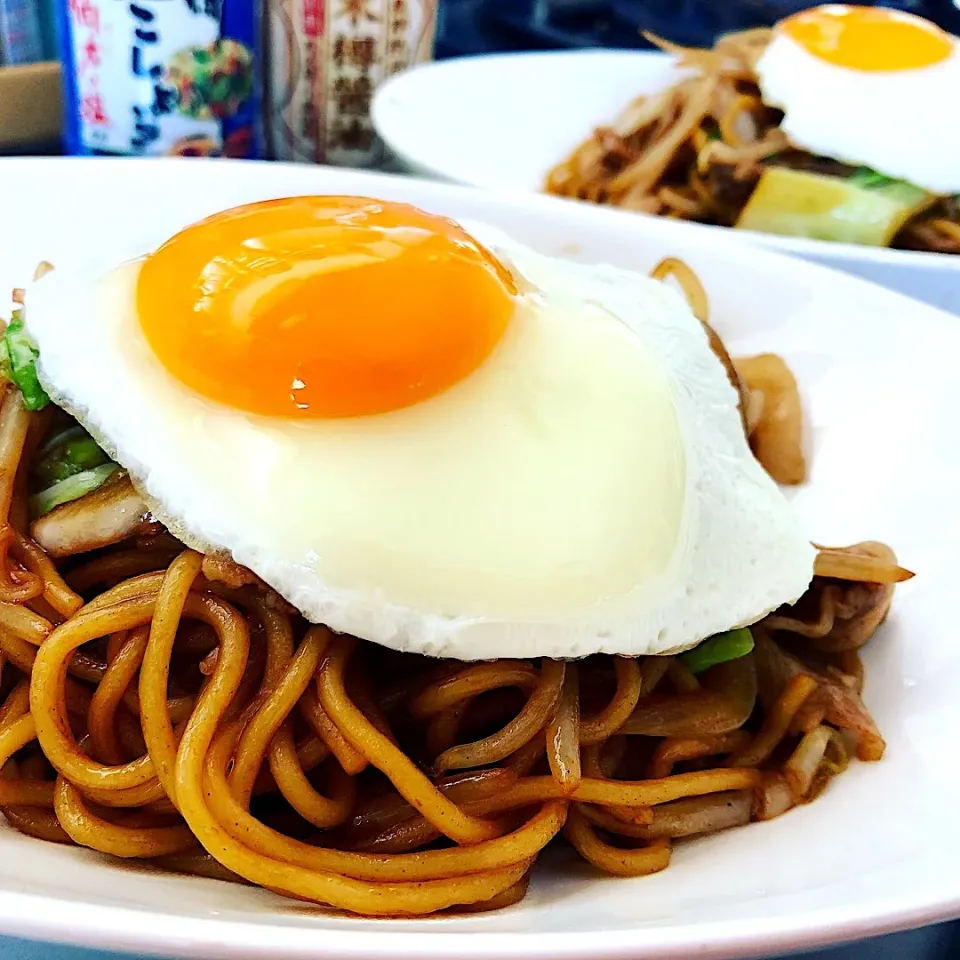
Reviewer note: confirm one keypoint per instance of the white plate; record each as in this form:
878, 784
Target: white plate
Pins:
503, 121
879, 851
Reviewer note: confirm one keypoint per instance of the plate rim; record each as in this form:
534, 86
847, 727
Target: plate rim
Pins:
715, 237
107, 926
121, 928
381, 115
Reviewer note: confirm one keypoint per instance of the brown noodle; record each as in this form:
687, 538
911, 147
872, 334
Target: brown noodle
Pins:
159, 705
696, 150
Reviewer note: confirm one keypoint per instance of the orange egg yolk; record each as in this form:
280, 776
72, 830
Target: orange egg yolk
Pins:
868, 38
323, 306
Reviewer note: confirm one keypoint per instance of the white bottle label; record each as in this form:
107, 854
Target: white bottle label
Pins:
157, 77
326, 59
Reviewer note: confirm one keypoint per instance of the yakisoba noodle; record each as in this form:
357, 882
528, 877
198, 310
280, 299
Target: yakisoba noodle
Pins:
168, 707
696, 150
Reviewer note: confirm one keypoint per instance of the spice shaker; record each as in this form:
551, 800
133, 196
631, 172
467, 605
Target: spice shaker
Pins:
162, 77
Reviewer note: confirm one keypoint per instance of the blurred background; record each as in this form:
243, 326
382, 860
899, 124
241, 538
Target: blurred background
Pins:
33, 38
480, 26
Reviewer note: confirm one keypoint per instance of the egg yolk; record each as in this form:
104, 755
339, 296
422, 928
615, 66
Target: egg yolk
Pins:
868, 38
323, 306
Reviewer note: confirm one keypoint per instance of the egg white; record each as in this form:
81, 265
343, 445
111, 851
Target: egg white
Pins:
588, 489
903, 123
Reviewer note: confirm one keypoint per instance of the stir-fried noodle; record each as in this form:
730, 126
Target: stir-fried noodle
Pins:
160, 705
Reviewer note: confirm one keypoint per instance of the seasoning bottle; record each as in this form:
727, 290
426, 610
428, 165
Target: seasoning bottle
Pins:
325, 61
161, 77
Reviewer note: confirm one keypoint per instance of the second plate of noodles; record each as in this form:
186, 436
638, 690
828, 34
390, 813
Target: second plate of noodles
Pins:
515, 121
708, 148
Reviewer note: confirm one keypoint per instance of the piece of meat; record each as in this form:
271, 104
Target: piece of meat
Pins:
808, 163
222, 569
105, 516
730, 191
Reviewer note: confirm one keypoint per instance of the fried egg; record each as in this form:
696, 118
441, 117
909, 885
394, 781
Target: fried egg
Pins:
428, 435
866, 85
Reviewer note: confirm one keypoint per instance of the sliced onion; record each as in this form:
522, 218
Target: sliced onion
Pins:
724, 703
773, 797
805, 760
